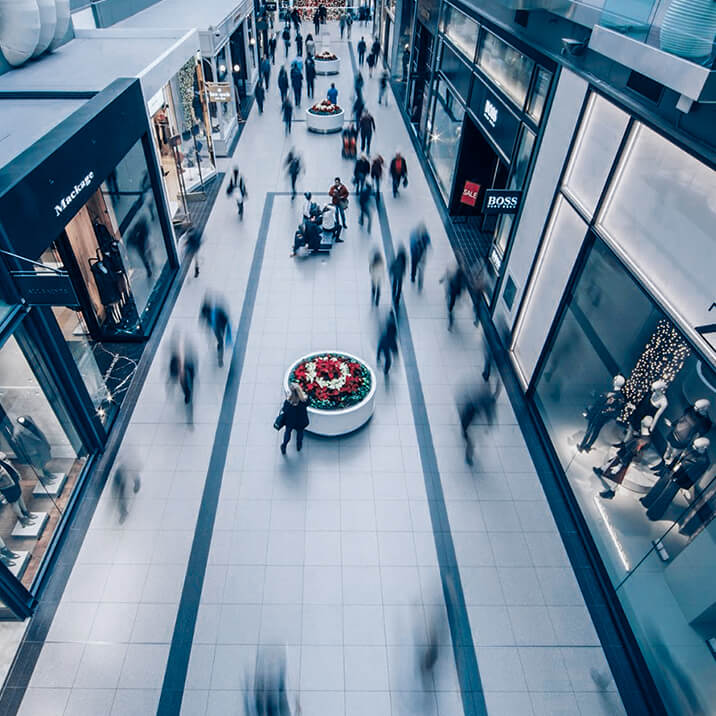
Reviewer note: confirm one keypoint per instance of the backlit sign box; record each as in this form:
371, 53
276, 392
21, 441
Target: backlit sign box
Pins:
501, 201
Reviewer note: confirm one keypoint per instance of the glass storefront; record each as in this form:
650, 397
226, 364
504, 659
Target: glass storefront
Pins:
41, 457
444, 136
509, 69
460, 29
222, 113
626, 397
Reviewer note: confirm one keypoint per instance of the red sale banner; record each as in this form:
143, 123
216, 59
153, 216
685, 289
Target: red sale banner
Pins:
469, 193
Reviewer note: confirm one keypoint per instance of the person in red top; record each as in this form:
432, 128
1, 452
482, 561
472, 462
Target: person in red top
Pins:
398, 172
339, 199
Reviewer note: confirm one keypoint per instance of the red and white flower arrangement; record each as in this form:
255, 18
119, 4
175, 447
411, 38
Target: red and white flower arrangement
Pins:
325, 107
325, 55
332, 381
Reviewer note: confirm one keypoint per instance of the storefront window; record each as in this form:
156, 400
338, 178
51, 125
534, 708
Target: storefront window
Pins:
461, 30
456, 72
522, 159
444, 137
627, 403
509, 69
115, 249
41, 457
540, 90
223, 113
596, 147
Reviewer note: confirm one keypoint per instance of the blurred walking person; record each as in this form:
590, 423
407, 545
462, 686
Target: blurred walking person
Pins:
126, 479
283, 83
479, 402
272, 47
265, 71
376, 175
398, 172
367, 127
397, 274
260, 95
382, 87
192, 245
293, 168
361, 51
360, 172
455, 283
216, 318
287, 113
299, 43
310, 75
366, 193
375, 267
297, 84
182, 370
388, 344
295, 416
419, 244
286, 35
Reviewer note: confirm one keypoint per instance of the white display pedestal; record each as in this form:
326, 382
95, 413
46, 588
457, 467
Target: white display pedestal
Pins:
328, 67
331, 423
324, 123
35, 529
18, 569
52, 490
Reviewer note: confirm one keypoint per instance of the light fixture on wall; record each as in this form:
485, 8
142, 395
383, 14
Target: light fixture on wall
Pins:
222, 68
237, 68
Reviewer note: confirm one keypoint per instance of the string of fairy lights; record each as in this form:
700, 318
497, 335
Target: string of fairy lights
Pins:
662, 359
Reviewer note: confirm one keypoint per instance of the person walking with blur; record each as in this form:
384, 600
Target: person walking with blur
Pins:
375, 268
364, 197
273, 41
360, 172
295, 416
283, 83
310, 46
287, 113
382, 87
286, 35
182, 370
260, 95
297, 84
367, 127
370, 61
192, 245
216, 318
266, 71
361, 51
388, 344
478, 402
419, 244
397, 274
349, 24
376, 175
299, 43
398, 172
293, 168
342, 23
375, 49
455, 283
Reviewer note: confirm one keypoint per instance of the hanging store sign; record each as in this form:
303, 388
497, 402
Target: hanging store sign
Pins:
45, 289
65, 201
494, 117
501, 201
218, 91
469, 193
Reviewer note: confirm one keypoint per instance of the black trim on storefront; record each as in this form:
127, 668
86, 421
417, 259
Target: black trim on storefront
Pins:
631, 674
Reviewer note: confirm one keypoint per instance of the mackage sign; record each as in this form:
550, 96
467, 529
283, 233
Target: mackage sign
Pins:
76, 189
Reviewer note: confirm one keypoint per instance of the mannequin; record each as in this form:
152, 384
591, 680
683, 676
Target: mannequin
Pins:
616, 468
682, 473
606, 407
652, 405
35, 446
694, 423
7, 555
10, 489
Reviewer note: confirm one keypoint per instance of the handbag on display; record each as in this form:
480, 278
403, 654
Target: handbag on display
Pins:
280, 420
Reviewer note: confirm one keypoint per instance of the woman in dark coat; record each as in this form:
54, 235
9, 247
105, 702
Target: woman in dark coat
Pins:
295, 416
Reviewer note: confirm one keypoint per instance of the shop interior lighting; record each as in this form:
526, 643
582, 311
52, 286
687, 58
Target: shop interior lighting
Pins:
222, 68
237, 68
612, 533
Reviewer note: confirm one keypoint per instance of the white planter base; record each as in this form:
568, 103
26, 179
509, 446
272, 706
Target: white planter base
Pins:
324, 123
328, 67
332, 423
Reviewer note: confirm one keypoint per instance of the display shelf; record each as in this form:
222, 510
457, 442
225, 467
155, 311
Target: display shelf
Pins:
33, 530
52, 490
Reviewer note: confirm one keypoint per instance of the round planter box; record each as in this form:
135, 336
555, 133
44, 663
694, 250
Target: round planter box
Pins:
331, 423
324, 123
328, 67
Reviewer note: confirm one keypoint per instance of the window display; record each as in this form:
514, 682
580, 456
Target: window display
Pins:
40, 460
461, 30
444, 136
506, 67
538, 97
223, 113
627, 403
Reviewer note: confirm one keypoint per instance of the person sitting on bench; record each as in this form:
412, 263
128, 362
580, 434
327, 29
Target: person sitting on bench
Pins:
309, 235
330, 224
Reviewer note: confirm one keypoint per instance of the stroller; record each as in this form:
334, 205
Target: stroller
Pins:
350, 135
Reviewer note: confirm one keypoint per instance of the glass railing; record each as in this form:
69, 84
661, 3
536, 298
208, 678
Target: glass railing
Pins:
685, 28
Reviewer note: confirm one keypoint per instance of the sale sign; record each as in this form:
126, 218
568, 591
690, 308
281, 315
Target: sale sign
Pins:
469, 193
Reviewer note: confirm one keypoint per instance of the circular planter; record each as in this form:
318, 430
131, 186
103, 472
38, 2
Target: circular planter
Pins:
331, 423
324, 123
328, 67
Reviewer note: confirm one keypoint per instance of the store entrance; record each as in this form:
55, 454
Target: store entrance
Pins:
419, 74
239, 69
166, 137
479, 163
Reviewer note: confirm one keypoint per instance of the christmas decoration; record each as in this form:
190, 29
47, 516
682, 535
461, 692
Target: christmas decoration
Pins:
186, 94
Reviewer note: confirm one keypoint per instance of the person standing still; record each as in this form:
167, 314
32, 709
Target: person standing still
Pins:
349, 24
361, 51
342, 23
297, 84
295, 416
287, 111
376, 174
272, 47
367, 127
260, 95
339, 198
299, 43
397, 274
317, 23
310, 75
332, 93
266, 71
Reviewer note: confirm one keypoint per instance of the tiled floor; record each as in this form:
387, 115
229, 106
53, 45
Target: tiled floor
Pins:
330, 552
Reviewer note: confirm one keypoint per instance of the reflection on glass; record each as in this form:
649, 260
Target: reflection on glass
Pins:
444, 137
663, 494
509, 69
535, 106
461, 30
522, 159
40, 461
456, 71
222, 113
597, 143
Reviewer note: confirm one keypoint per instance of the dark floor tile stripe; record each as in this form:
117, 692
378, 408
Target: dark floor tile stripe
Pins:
468, 672
183, 636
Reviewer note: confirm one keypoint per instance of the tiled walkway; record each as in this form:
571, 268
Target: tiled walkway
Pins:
331, 552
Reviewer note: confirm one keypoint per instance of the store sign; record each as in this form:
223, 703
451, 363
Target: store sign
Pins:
469, 193
76, 189
218, 91
501, 201
490, 113
46, 289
